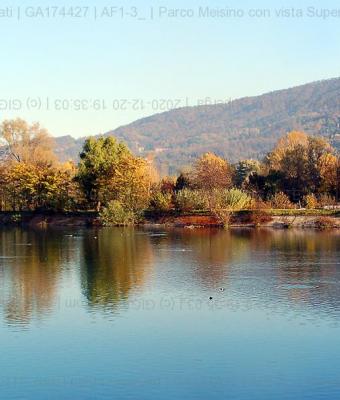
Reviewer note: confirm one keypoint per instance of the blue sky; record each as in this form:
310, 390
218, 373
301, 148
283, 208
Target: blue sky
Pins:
82, 76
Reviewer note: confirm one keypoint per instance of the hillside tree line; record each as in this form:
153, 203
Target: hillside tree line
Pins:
301, 171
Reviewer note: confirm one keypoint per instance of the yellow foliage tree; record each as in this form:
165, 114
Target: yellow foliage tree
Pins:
31, 187
286, 144
328, 167
212, 172
130, 182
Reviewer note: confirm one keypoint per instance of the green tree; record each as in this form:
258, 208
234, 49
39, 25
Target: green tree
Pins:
97, 160
244, 170
108, 171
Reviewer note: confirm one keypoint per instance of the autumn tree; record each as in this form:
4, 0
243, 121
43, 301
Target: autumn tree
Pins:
293, 167
129, 183
329, 168
31, 177
33, 187
25, 143
212, 172
302, 162
287, 143
318, 149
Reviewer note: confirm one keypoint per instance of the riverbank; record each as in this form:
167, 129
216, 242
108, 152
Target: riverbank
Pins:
275, 221
318, 219
35, 219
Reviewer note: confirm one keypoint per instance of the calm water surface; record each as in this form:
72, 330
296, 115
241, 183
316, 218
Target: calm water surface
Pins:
127, 314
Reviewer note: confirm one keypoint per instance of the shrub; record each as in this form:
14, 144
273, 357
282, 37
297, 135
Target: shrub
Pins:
114, 214
222, 215
189, 200
231, 199
281, 201
310, 201
222, 203
161, 201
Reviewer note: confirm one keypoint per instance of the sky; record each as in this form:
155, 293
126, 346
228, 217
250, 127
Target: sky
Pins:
89, 69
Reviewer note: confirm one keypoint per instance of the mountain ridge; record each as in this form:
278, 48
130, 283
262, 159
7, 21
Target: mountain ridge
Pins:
243, 128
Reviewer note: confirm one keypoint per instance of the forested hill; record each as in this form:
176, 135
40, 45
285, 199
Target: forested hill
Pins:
244, 128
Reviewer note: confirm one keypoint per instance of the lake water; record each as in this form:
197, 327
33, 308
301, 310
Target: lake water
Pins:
169, 314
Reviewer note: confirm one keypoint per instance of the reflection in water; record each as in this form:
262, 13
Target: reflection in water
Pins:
208, 252
258, 267
132, 330
30, 269
106, 266
113, 261
295, 268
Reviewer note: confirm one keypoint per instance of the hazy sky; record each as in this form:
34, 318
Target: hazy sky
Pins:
83, 71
